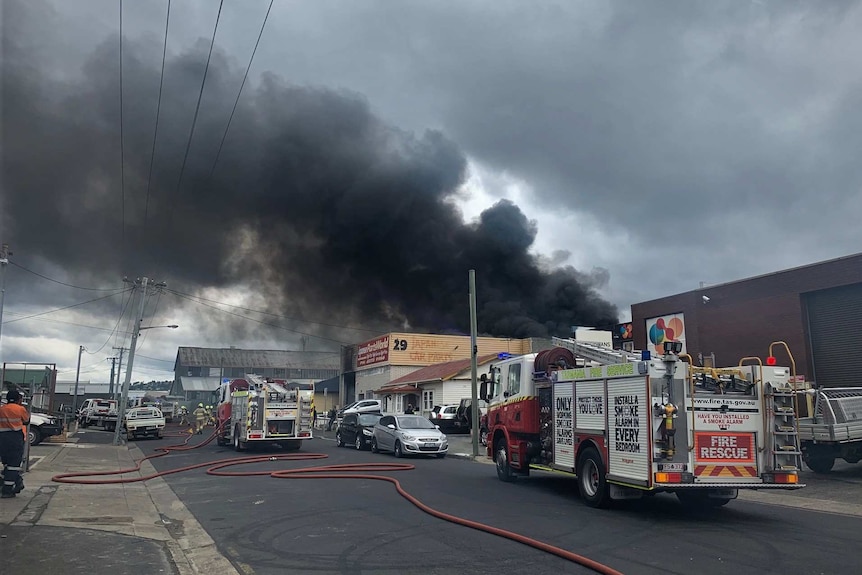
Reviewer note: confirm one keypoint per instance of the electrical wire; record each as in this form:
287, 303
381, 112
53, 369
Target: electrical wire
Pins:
122, 148
116, 325
65, 307
48, 320
158, 111
58, 281
155, 307
340, 342
197, 110
242, 85
275, 315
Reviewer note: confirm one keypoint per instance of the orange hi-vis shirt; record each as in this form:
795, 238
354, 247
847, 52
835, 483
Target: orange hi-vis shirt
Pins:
13, 417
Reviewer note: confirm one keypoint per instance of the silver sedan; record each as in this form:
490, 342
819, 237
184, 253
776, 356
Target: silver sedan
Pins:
409, 435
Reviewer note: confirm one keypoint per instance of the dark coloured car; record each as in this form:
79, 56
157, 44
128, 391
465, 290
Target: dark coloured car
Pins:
357, 429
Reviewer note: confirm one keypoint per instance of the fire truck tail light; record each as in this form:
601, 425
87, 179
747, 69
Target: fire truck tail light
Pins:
664, 477
786, 478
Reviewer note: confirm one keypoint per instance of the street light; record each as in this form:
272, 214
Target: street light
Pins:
155, 326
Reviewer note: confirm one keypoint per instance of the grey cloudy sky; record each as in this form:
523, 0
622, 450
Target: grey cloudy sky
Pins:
645, 147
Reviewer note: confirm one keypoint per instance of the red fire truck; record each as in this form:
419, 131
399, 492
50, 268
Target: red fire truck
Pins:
627, 424
256, 409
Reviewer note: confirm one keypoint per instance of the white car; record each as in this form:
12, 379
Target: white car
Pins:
409, 435
144, 422
364, 406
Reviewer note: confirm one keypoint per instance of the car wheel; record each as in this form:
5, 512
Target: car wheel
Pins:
34, 436
591, 479
504, 470
398, 451
339, 441
358, 443
374, 448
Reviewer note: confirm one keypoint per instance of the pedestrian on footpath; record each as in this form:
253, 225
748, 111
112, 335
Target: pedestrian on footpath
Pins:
13, 418
200, 418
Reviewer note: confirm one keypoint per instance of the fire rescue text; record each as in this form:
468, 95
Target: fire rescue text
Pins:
627, 423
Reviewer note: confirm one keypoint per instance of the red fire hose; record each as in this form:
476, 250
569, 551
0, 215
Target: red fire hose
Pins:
341, 471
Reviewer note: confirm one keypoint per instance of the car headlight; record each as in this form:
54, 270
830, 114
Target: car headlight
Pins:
406, 437
442, 438
367, 432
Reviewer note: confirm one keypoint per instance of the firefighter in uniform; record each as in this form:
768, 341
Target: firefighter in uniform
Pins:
13, 418
200, 418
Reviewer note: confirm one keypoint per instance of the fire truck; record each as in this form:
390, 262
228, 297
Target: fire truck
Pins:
626, 424
258, 410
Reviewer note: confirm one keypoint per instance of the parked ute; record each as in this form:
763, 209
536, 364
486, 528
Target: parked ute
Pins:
144, 422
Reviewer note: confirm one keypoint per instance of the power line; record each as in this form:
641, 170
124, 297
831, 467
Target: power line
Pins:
158, 111
340, 342
68, 323
303, 320
122, 148
58, 281
116, 325
66, 307
244, 78
197, 110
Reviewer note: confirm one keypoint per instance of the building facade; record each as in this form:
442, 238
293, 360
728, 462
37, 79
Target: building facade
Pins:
370, 366
815, 309
199, 371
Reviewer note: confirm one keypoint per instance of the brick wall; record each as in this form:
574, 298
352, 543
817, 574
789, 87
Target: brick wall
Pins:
742, 318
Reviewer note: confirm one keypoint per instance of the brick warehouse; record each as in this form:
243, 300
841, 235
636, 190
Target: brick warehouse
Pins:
816, 309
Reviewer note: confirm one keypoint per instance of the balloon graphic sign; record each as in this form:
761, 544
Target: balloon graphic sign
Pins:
665, 328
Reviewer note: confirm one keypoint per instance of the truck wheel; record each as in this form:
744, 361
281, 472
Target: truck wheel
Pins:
591, 479
34, 436
293, 445
697, 499
504, 470
237, 444
820, 463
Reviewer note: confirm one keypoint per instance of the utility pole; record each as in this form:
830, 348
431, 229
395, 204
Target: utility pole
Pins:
119, 371
121, 409
4, 262
77, 378
474, 394
111, 385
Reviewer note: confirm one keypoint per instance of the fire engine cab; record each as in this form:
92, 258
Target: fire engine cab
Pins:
261, 410
628, 424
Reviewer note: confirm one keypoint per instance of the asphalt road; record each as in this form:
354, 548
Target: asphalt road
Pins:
354, 526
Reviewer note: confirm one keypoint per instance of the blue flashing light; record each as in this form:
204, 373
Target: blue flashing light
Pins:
504, 355
645, 356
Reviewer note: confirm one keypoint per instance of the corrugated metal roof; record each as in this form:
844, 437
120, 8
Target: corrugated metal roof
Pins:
439, 372
234, 357
199, 383
330, 385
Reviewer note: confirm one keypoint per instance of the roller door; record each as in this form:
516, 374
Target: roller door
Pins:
835, 329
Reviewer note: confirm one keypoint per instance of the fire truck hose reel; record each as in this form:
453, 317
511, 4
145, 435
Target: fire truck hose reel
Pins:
338, 471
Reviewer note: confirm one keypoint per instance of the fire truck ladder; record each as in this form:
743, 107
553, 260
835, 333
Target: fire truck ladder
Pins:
596, 353
780, 413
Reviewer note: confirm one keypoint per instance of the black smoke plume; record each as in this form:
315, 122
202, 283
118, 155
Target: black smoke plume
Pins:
333, 214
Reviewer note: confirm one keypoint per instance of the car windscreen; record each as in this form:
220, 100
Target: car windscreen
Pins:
369, 419
414, 422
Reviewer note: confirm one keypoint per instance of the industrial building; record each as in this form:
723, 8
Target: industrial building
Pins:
816, 309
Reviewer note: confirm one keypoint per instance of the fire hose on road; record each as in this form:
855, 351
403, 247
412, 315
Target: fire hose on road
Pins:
338, 471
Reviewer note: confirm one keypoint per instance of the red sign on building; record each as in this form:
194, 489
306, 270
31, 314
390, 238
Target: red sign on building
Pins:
373, 351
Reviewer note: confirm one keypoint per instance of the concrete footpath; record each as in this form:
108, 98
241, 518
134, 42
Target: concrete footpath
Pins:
135, 528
